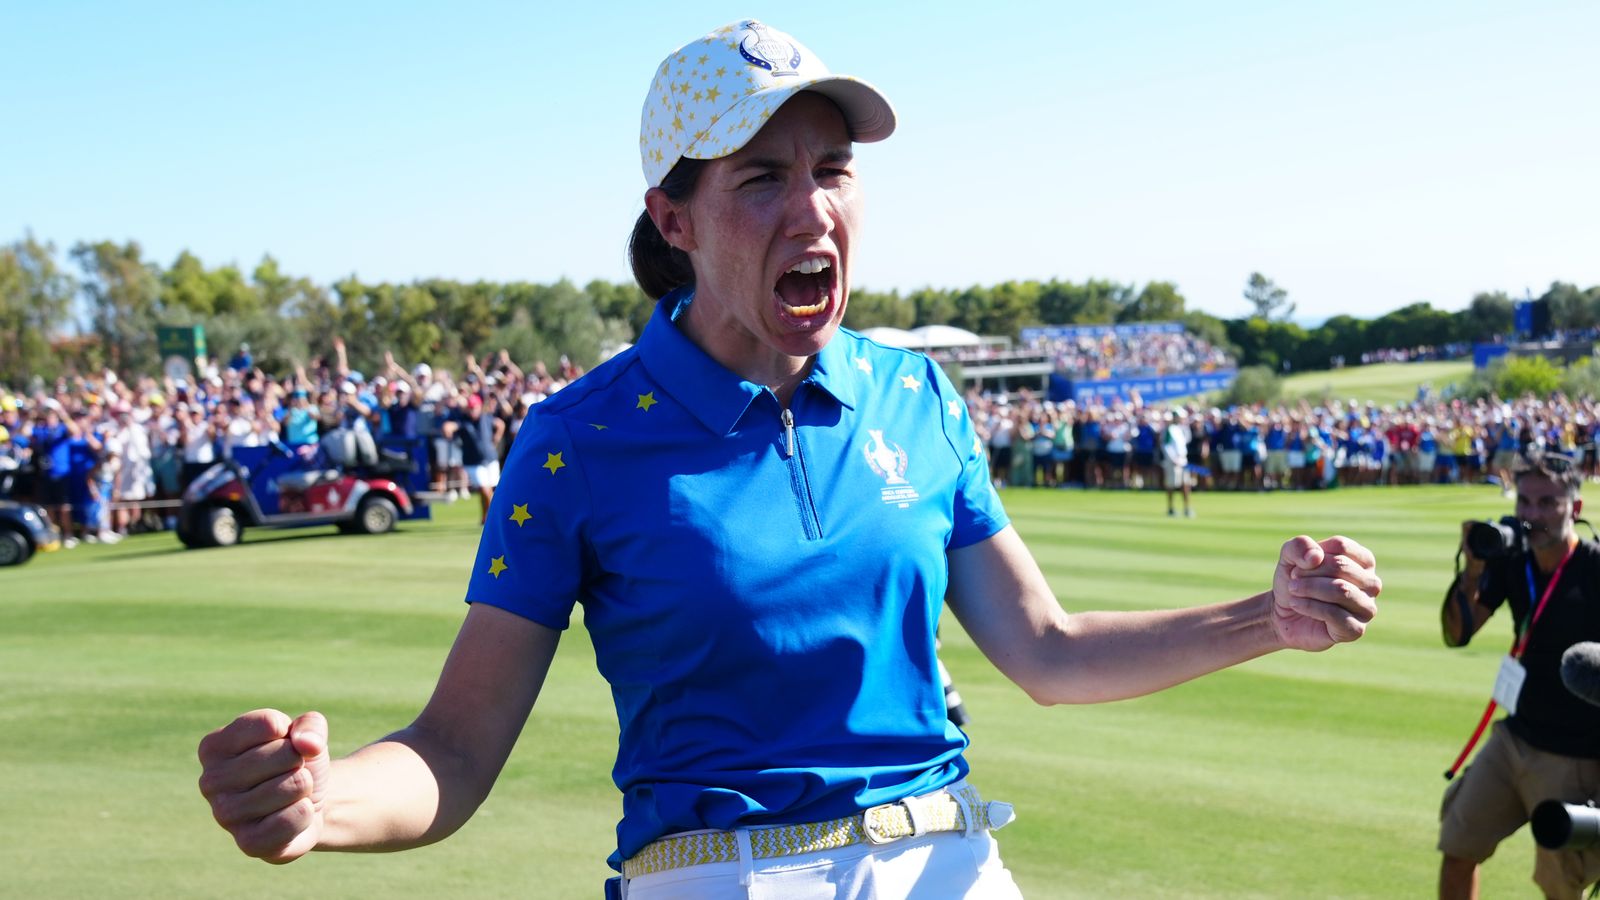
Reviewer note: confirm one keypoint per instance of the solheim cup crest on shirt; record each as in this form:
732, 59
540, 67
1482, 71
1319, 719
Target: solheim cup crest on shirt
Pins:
888, 460
764, 49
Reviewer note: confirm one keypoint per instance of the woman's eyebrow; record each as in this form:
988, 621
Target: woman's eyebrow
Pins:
829, 157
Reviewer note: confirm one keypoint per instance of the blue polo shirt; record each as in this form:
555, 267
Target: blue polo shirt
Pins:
52, 450
762, 598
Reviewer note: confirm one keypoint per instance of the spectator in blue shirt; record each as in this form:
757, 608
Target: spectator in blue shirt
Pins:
51, 440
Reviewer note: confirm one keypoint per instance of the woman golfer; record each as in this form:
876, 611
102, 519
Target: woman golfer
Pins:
762, 516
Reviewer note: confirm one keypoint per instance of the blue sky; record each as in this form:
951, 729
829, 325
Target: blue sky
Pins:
1364, 155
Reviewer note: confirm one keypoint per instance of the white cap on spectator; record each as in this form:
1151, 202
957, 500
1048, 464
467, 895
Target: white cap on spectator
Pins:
423, 370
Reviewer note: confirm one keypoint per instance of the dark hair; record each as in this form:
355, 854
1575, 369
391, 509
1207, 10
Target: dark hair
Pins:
659, 267
1555, 467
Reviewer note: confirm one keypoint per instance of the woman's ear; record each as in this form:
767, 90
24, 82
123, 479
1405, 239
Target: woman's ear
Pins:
672, 219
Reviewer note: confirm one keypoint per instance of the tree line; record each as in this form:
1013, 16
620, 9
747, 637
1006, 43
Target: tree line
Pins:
100, 308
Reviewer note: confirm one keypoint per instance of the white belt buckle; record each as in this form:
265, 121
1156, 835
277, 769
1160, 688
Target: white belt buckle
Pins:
869, 824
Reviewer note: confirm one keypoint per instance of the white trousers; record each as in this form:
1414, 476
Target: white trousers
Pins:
946, 865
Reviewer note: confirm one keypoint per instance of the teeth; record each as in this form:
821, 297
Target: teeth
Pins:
803, 311
811, 266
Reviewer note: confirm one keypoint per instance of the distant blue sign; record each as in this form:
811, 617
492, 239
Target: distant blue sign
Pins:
1522, 317
1156, 387
1483, 354
1036, 332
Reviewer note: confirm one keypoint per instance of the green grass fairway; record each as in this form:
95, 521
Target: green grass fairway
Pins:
1295, 775
1383, 383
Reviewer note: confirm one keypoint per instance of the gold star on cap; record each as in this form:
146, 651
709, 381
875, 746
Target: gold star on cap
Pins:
646, 401
519, 514
552, 461
497, 565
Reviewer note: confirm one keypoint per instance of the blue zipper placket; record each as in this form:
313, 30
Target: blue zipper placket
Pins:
799, 482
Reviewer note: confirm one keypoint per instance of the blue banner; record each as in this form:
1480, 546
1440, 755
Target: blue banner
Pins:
1522, 317
1483, 354
1156, 387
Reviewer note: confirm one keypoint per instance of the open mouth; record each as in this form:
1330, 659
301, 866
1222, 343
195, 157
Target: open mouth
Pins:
806, 290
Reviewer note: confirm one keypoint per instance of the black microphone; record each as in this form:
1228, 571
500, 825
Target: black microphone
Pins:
1580, 671
1569, 826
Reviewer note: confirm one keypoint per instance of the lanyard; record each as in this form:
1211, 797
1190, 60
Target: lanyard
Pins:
1517, 648
1521, 644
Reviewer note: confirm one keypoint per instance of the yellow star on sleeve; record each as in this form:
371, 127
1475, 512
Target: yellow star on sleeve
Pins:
519, 514
552, 461
646, 401
864, 364
954, 408
910, 383
497, 565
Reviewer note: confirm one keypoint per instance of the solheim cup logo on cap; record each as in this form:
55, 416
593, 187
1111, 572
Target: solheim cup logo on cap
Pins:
764, 49
888, 460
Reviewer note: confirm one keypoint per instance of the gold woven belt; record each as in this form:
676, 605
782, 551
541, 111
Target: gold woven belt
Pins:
940, 811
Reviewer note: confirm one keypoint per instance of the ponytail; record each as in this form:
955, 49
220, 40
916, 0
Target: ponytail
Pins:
659, 267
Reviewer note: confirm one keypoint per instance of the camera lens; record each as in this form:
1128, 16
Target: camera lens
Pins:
1497, 540
1489, 540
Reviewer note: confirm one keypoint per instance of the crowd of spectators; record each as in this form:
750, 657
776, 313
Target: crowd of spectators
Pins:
1130, 355
1423, 353
107, 455
1035, 442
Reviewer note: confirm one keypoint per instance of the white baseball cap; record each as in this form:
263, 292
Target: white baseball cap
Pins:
710, 96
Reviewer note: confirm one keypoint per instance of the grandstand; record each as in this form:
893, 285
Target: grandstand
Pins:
1156, 360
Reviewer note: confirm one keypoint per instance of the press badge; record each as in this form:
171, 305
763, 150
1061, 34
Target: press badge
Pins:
1508, 683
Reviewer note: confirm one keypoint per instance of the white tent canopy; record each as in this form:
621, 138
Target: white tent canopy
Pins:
934, 337
892, 337
928, 337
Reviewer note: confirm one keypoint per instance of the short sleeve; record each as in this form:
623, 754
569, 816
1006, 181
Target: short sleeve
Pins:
978, 513
531, 556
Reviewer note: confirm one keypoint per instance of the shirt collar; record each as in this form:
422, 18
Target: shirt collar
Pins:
711, 393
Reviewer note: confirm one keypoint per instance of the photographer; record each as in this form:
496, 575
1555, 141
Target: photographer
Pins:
1548, 744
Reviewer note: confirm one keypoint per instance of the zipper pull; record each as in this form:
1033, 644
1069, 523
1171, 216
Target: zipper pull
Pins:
788, 430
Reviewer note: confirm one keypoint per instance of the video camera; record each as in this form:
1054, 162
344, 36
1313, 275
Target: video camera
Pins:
1573, 826
1505, 539
1566, 826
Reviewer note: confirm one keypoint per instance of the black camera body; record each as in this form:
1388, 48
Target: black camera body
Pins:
1505, 539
